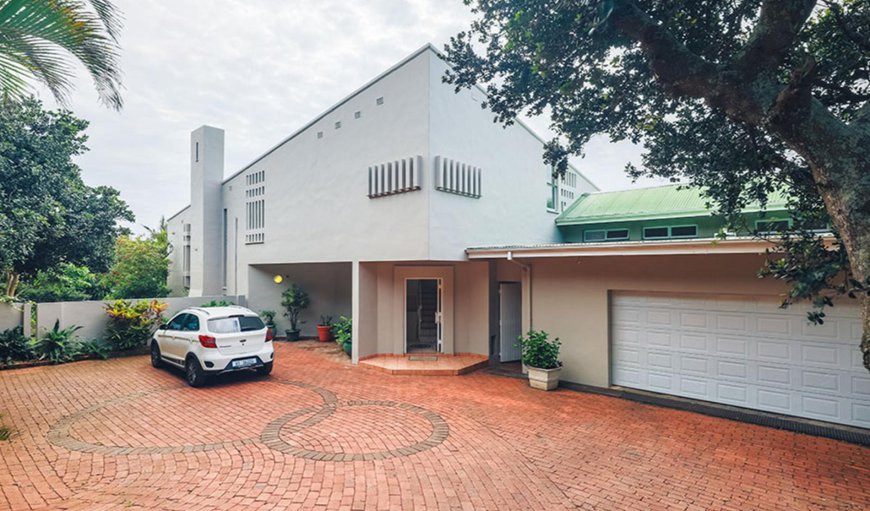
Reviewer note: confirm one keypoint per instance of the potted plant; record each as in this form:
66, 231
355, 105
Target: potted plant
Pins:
324, 329
343, 334
541, 358
294, 300
269, 319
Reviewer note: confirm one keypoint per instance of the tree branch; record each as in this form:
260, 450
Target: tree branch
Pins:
680, 71
773, 36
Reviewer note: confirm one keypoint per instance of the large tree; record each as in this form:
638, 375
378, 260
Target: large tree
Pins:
41, 39
48, 215
141, 266
743, 98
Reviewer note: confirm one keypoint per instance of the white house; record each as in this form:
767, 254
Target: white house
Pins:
437, 230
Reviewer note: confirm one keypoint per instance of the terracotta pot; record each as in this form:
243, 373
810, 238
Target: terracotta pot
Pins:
324, 333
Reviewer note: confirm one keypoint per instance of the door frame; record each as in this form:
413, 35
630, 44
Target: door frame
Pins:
521, 311
399, 328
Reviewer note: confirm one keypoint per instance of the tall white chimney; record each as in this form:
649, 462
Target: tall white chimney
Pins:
206, 175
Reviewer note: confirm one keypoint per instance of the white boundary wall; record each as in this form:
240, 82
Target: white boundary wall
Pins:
91, 315
10, 315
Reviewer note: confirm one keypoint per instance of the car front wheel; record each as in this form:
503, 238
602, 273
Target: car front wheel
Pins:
155, 354
196, 377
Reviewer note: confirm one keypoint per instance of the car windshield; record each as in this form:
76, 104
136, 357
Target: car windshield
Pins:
235, 324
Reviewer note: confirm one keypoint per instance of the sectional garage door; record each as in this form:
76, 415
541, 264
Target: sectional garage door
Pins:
742, 351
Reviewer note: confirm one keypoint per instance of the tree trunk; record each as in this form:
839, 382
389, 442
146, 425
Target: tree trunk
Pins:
840, 162
12, 280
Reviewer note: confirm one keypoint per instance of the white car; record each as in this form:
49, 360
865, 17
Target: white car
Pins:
206, 341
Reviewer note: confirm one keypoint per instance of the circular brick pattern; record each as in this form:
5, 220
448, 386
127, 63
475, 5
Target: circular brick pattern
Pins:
299, 439
76, 431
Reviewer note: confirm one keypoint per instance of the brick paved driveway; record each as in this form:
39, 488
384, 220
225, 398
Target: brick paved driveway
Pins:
321, 434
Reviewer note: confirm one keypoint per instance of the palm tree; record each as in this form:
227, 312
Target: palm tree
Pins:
39, 37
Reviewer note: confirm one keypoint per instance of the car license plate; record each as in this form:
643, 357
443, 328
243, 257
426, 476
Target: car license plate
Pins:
245, 362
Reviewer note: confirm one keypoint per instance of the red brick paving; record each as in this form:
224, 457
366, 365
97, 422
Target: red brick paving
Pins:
121, 435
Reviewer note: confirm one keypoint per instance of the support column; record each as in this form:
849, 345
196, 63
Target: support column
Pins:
364, 307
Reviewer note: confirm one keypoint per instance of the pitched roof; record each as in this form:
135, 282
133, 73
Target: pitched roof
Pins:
659, 202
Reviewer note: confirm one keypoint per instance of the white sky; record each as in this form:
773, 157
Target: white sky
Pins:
259, 69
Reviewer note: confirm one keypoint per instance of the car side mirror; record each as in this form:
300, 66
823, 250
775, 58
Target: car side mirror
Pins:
164, 326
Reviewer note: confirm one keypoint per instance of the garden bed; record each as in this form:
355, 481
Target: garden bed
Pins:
24, 364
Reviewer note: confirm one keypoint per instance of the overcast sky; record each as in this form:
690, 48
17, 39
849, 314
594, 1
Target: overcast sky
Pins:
259, 69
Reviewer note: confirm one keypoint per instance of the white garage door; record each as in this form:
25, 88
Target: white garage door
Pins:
742, 351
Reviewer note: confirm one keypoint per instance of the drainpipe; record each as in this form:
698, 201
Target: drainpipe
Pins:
527, 268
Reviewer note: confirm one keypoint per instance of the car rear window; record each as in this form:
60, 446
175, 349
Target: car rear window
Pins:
234, 324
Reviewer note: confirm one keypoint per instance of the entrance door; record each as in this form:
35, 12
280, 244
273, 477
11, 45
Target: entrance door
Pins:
510, 320
423, 316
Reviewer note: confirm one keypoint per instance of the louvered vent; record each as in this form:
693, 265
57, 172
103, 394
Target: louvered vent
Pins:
456, 177
394, 177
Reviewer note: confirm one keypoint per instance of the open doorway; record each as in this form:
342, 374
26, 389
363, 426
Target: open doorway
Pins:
423, 331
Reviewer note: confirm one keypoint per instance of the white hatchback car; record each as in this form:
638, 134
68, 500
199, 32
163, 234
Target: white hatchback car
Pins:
206, 341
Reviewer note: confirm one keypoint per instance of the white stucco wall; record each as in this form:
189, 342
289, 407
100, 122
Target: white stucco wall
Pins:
513, 204
175, 232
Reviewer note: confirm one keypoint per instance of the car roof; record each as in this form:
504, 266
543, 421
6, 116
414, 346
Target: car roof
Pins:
221, 312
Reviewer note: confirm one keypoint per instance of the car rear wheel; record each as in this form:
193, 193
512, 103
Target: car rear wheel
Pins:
265, 369
194, 374
156, 361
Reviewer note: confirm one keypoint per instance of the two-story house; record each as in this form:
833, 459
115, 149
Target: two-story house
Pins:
406, 207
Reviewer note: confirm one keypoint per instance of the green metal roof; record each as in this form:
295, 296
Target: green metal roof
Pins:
656, 203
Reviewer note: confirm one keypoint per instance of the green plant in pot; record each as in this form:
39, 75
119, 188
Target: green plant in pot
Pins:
294, 300
541, 358
324, 329
269, 318
343, 330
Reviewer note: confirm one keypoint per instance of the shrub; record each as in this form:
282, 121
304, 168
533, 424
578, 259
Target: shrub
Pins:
325, 321
217, 303
295, 300
93, 347
268, 317
57, 345
130, 325
538, 351
343, 330
14, 345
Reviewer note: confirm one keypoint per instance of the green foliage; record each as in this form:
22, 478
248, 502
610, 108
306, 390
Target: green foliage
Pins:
638, 71
141, 266
325, 320
294, 300
131, 324
48, 215
93, 348
63, 283
217, 303
14, 345
343, 330
268, 317
538, 351
38, 37
57, 345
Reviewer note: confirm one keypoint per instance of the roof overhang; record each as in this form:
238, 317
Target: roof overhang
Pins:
743, 245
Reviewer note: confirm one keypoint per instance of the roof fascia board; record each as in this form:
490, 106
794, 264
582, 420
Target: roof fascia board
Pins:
696, 247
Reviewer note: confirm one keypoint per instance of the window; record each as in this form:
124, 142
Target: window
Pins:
380, 101
651, 233
552, 193
357, 114
319, 134
192, 323
684, 231
678, 231
255, 208
457, 178
606, 235
177, 322
224, 250
772, 226
338, 125
235, 324
197, 151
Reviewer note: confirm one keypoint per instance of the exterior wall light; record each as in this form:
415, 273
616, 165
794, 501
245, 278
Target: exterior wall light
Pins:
278, 279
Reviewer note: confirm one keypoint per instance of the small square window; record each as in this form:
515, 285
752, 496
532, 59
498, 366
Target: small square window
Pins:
337, 124
319, 134
380, 100
617, 234
357, 114
772, 226
594, 236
